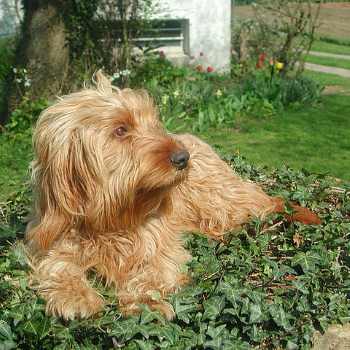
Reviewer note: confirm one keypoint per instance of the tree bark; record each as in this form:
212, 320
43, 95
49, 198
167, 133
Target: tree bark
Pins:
42, 51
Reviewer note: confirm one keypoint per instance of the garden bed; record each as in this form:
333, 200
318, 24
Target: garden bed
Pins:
270, 285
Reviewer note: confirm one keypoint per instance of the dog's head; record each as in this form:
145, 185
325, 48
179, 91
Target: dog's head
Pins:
103, 151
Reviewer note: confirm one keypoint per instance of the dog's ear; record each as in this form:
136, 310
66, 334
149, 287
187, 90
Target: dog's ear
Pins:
103, 83
71, 175
66, 174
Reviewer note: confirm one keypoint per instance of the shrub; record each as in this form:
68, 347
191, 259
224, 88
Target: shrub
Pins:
202, 100
188, 97
155, 69
107, 40
24, 116
282, 30
6, 61
281, 92
300, 91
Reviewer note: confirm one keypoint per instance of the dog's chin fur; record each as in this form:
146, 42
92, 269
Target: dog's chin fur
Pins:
109, 199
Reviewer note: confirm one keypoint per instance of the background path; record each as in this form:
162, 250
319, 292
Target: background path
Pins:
330, 55
325, 69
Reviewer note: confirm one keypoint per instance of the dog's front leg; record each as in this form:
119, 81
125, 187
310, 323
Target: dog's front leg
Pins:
152, 270
60, 279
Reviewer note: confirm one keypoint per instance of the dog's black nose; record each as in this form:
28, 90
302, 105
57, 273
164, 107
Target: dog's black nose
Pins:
180, 159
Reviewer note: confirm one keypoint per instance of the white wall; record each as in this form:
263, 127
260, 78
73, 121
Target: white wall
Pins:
209, 28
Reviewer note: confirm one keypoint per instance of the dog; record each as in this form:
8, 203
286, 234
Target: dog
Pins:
115, 191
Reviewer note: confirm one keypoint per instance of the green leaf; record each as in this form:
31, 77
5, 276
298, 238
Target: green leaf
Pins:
8, 345
279, 316
255, 313
148, 316
213, 307
144, 345
214, 332
307, 261
291, 345
183, 310
5, 331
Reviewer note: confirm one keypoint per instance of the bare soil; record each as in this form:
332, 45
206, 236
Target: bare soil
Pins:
334, 90
334, 19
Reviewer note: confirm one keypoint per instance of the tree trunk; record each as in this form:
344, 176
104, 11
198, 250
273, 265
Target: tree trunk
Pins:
42, 51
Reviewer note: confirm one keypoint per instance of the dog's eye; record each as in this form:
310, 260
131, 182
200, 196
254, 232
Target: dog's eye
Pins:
120, 131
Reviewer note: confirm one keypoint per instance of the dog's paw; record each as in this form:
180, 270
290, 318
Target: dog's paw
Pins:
163, 307
129, 307
81, 303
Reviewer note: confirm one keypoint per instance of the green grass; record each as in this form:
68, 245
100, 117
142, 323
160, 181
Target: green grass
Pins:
326, 79
335, 40
15, 156
315, 138
329, 61
324, 46
7, 46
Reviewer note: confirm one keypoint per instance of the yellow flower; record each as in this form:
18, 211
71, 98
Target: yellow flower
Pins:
279, 65
165, 99
218, 93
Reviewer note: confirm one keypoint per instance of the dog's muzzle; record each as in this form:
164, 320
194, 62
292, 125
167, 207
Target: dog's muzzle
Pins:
179, 159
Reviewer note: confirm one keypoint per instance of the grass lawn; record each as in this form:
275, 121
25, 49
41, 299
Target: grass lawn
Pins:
330, 80
317, 138
15, 155
323, 46
329, 61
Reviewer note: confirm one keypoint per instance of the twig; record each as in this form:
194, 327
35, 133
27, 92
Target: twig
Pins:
271, 228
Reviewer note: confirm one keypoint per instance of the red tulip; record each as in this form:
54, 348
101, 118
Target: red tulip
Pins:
261, 60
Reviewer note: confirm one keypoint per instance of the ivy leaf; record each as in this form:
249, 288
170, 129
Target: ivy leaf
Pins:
279, 316
8, 345
144, 345
148, 316
125, 329
170, 333
214, 332
291, 345
214, 344
213, 307
5, 331
255, 313
307, 261
183, 310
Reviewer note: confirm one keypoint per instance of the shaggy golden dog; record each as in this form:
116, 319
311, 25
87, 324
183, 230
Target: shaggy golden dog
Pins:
114, 193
